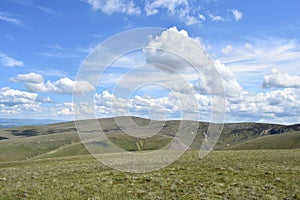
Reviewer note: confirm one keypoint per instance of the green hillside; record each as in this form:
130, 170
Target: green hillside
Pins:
25, 148
61, 139
290, 140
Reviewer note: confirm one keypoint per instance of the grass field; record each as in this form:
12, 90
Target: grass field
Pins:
252, 161
245, 174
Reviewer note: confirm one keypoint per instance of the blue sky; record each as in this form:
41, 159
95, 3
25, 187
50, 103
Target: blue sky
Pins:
255, 46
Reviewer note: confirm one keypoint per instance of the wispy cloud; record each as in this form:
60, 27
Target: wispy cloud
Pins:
9, 61
58, 51
179, 8
153, 7
10, 20
10, 38
216, 18
33, 4
262, 55
115, 6
47, 10
183, 10
54, 46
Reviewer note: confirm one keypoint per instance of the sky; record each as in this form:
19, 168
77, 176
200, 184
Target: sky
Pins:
254, 47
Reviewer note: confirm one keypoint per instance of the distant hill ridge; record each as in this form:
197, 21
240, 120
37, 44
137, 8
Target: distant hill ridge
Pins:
10, 123
61, 139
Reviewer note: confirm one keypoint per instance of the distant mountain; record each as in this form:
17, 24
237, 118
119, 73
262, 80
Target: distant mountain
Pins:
10, 123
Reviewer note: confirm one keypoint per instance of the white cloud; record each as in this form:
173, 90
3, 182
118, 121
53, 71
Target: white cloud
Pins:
179, 52
179, 8
201, 17
17, 102
189, 20
10, 20
115, 6
62, 86
11, 97
152, 7
216, 18
252, 60
279, 106
187, 11
48, 10
281, 80
231, 86
39, 87
248, 46
172, 105
45, 100
28, 78
227, 49
237, 14
175, 49
66, 109
66, 86
260, 56
276, 106
21, 104
9, 61
34, 83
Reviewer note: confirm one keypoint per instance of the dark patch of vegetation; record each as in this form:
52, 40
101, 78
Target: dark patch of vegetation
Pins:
25, 133
51, 131
100, 143
3, 138
68, 130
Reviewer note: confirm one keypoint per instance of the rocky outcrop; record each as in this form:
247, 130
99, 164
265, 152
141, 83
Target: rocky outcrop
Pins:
273, 131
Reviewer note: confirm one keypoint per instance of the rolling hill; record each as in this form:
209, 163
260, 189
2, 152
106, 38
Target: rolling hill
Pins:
289, 140
61, 139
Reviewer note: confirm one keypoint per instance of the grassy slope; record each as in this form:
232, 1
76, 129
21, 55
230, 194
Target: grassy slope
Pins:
57, 139
284, 141
289, 140
128, 143
263, 174
24, 148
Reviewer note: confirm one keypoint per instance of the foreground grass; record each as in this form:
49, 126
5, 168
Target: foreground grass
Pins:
261, 174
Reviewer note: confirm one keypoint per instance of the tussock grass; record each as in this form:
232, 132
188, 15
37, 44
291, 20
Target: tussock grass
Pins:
253, 174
